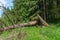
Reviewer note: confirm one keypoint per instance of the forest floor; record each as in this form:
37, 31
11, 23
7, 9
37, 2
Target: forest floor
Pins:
32, 33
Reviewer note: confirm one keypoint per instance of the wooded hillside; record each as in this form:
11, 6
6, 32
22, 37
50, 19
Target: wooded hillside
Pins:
30, 10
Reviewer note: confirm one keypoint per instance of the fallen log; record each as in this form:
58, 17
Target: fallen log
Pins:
18, 25
44, 23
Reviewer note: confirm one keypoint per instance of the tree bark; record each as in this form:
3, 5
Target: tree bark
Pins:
42, 21
18, 25
44, 8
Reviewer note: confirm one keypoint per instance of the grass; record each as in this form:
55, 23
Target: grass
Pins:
33, 33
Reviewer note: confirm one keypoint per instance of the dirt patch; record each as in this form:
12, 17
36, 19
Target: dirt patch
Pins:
14, 35
22, 36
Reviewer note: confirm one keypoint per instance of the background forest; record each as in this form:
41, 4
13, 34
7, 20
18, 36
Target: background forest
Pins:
40, 20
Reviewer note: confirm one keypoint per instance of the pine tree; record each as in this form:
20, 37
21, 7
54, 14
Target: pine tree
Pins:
24, 9
27, 10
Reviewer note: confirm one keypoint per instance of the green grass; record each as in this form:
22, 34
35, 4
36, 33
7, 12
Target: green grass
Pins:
34, 33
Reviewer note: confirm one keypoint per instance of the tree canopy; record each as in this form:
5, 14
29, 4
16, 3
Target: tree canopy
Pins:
27, 10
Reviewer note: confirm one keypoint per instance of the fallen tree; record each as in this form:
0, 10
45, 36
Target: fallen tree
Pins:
18, 25
25, 24
44, 23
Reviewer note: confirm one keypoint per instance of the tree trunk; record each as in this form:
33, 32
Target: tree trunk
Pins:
18, 25
44, 8
42, 21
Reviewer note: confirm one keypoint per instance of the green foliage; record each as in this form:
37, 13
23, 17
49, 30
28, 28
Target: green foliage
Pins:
27, 10
24, 9
33, 33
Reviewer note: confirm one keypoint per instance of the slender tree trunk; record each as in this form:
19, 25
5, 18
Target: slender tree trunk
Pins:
44, 8
42, 21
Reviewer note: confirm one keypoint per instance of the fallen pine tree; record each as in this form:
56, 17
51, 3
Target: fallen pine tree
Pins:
44, 23
18, 25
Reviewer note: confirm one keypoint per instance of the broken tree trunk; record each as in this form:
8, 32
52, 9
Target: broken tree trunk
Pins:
18, 25
44, 23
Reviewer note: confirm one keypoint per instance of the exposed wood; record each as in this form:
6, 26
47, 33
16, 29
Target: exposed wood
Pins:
18, 25
42, 21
